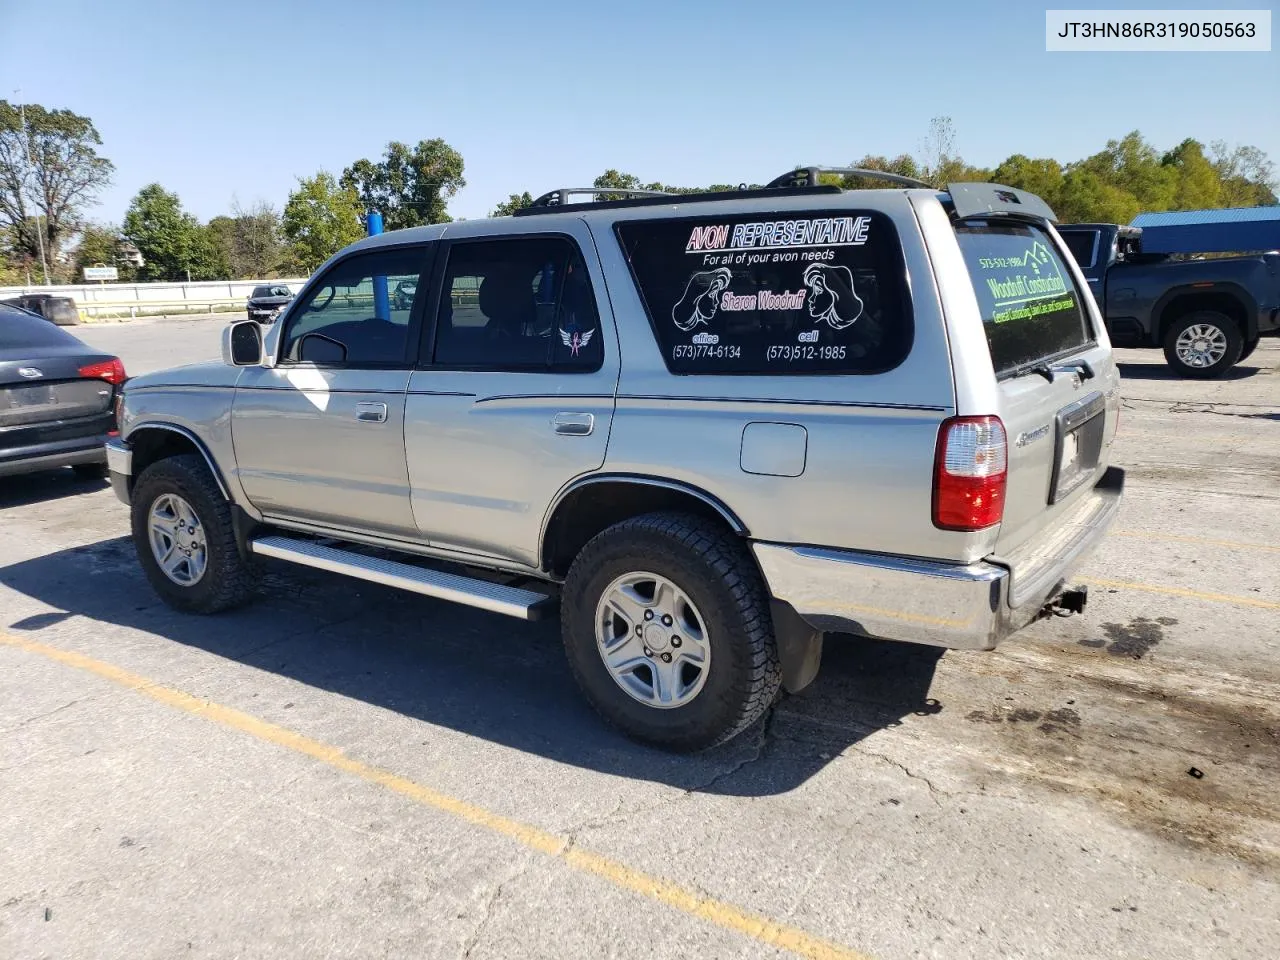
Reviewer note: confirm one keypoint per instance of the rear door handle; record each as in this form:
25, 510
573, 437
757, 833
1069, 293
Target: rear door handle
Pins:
574, 424
371, 412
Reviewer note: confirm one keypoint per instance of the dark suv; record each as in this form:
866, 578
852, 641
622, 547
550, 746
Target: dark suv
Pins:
59, 310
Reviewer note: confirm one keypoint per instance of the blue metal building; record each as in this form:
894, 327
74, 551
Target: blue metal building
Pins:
1232, 230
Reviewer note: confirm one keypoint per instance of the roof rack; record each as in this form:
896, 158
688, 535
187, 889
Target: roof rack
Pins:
808, 177
560, 197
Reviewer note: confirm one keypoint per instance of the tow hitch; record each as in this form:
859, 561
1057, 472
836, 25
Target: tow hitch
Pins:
1069, 601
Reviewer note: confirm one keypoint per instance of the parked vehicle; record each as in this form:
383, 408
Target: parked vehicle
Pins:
267, 301
795, 410
57, 398
1206, 314
55, 309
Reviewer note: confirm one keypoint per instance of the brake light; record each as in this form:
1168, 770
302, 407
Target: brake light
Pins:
111, 371
970, 473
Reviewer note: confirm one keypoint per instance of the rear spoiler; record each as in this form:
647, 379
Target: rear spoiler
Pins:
984, 199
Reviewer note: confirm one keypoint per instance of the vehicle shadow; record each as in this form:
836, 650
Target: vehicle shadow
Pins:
30, 488
1160, 371
478, 673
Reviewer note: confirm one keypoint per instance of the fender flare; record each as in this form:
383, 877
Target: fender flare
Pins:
196, 442
1226, 287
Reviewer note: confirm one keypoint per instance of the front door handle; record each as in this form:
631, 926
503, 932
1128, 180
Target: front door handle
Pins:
574, 424
371, 412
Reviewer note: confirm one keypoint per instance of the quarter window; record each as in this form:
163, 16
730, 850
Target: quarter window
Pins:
358, 313
773, 293
518, 304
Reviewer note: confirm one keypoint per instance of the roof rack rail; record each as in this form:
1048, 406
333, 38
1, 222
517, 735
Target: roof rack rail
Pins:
808, 177
558, 198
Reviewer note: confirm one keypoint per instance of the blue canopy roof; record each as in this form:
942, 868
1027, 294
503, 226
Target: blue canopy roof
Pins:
1210, 231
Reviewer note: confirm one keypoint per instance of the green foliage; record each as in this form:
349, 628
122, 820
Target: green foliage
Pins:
99, 246
173, 244
320, 218
409, 187
517, 201
50, 171
250, 242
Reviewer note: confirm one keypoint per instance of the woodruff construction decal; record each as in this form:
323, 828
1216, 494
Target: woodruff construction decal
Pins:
804, 293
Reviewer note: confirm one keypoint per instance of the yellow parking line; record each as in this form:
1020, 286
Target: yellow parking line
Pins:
1184, 592
721, 914
1184, 538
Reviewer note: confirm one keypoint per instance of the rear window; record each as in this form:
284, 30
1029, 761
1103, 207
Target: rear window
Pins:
803, 292
1031, 309
20, 329
1082, 244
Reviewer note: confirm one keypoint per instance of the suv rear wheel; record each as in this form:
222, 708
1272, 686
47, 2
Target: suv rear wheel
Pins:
667, 629
1203, 344
183, 534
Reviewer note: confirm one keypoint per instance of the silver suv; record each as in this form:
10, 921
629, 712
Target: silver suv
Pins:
708, 428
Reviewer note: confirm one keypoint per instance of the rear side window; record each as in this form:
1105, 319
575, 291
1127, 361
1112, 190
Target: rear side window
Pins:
19, 329
1031, 309
805, 292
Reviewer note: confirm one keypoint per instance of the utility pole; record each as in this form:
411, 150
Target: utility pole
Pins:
22, 112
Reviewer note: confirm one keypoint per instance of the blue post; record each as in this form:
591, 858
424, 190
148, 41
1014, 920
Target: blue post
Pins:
381, 301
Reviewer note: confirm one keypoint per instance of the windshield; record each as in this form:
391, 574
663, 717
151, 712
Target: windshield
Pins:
1031, 308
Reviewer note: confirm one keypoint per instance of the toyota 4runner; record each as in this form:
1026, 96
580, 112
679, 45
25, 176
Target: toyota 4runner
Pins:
708, 428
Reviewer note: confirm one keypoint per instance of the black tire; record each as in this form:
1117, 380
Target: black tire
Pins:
90, 471
1249, 347
714, 568
1234, 344
228, 580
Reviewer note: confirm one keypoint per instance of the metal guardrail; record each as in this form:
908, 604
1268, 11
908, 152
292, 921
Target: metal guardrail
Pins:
94, 308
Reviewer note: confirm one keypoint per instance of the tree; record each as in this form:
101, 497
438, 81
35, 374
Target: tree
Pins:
904, 165
1087, 198
173, 244
1246, 173
409, 187
99, 245
517, 201
1133, 165
1198, 186
1041, 176
249, 241
320, 218
50, 171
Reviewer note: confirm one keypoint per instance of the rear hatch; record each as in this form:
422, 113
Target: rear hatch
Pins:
1056, 380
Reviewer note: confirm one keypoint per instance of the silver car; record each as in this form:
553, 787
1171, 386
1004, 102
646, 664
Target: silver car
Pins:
707, 428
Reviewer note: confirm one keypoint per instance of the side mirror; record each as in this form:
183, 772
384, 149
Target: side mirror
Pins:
242, 344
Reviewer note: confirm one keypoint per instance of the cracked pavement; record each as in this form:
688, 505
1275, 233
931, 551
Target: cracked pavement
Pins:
1032, 802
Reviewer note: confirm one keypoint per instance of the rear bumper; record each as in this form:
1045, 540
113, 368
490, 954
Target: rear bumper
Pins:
50, 456
119, 467
960, 606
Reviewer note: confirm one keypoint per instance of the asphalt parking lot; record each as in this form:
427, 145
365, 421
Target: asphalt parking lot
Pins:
344, 771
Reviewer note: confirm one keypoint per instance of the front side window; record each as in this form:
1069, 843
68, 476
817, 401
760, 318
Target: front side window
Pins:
800, 292
518, 304
356, 313
1031, 309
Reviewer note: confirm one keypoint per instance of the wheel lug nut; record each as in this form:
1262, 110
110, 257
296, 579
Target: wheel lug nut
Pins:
648, 614
666, 620
666, 658
676, 641
648, 652
639, 629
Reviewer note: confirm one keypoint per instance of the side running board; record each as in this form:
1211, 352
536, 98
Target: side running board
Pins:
494, 597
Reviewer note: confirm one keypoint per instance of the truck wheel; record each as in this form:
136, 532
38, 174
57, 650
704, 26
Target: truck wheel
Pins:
1249, 347
183, 535
1203, 344
667, 629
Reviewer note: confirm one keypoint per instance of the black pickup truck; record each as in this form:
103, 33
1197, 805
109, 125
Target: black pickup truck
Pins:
1206, 314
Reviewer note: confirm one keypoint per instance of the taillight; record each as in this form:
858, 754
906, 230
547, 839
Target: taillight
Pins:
111, 371
970, 473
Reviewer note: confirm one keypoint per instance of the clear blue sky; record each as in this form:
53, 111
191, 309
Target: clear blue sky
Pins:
237, 99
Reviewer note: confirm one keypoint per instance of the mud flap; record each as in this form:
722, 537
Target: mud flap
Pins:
799, 647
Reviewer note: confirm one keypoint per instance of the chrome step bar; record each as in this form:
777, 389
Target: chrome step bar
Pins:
494, 597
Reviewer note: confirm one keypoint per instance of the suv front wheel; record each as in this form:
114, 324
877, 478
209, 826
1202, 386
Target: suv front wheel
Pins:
667, 629
185, 541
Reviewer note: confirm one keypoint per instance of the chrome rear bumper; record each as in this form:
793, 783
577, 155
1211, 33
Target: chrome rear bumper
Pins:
120, 467
960, 606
